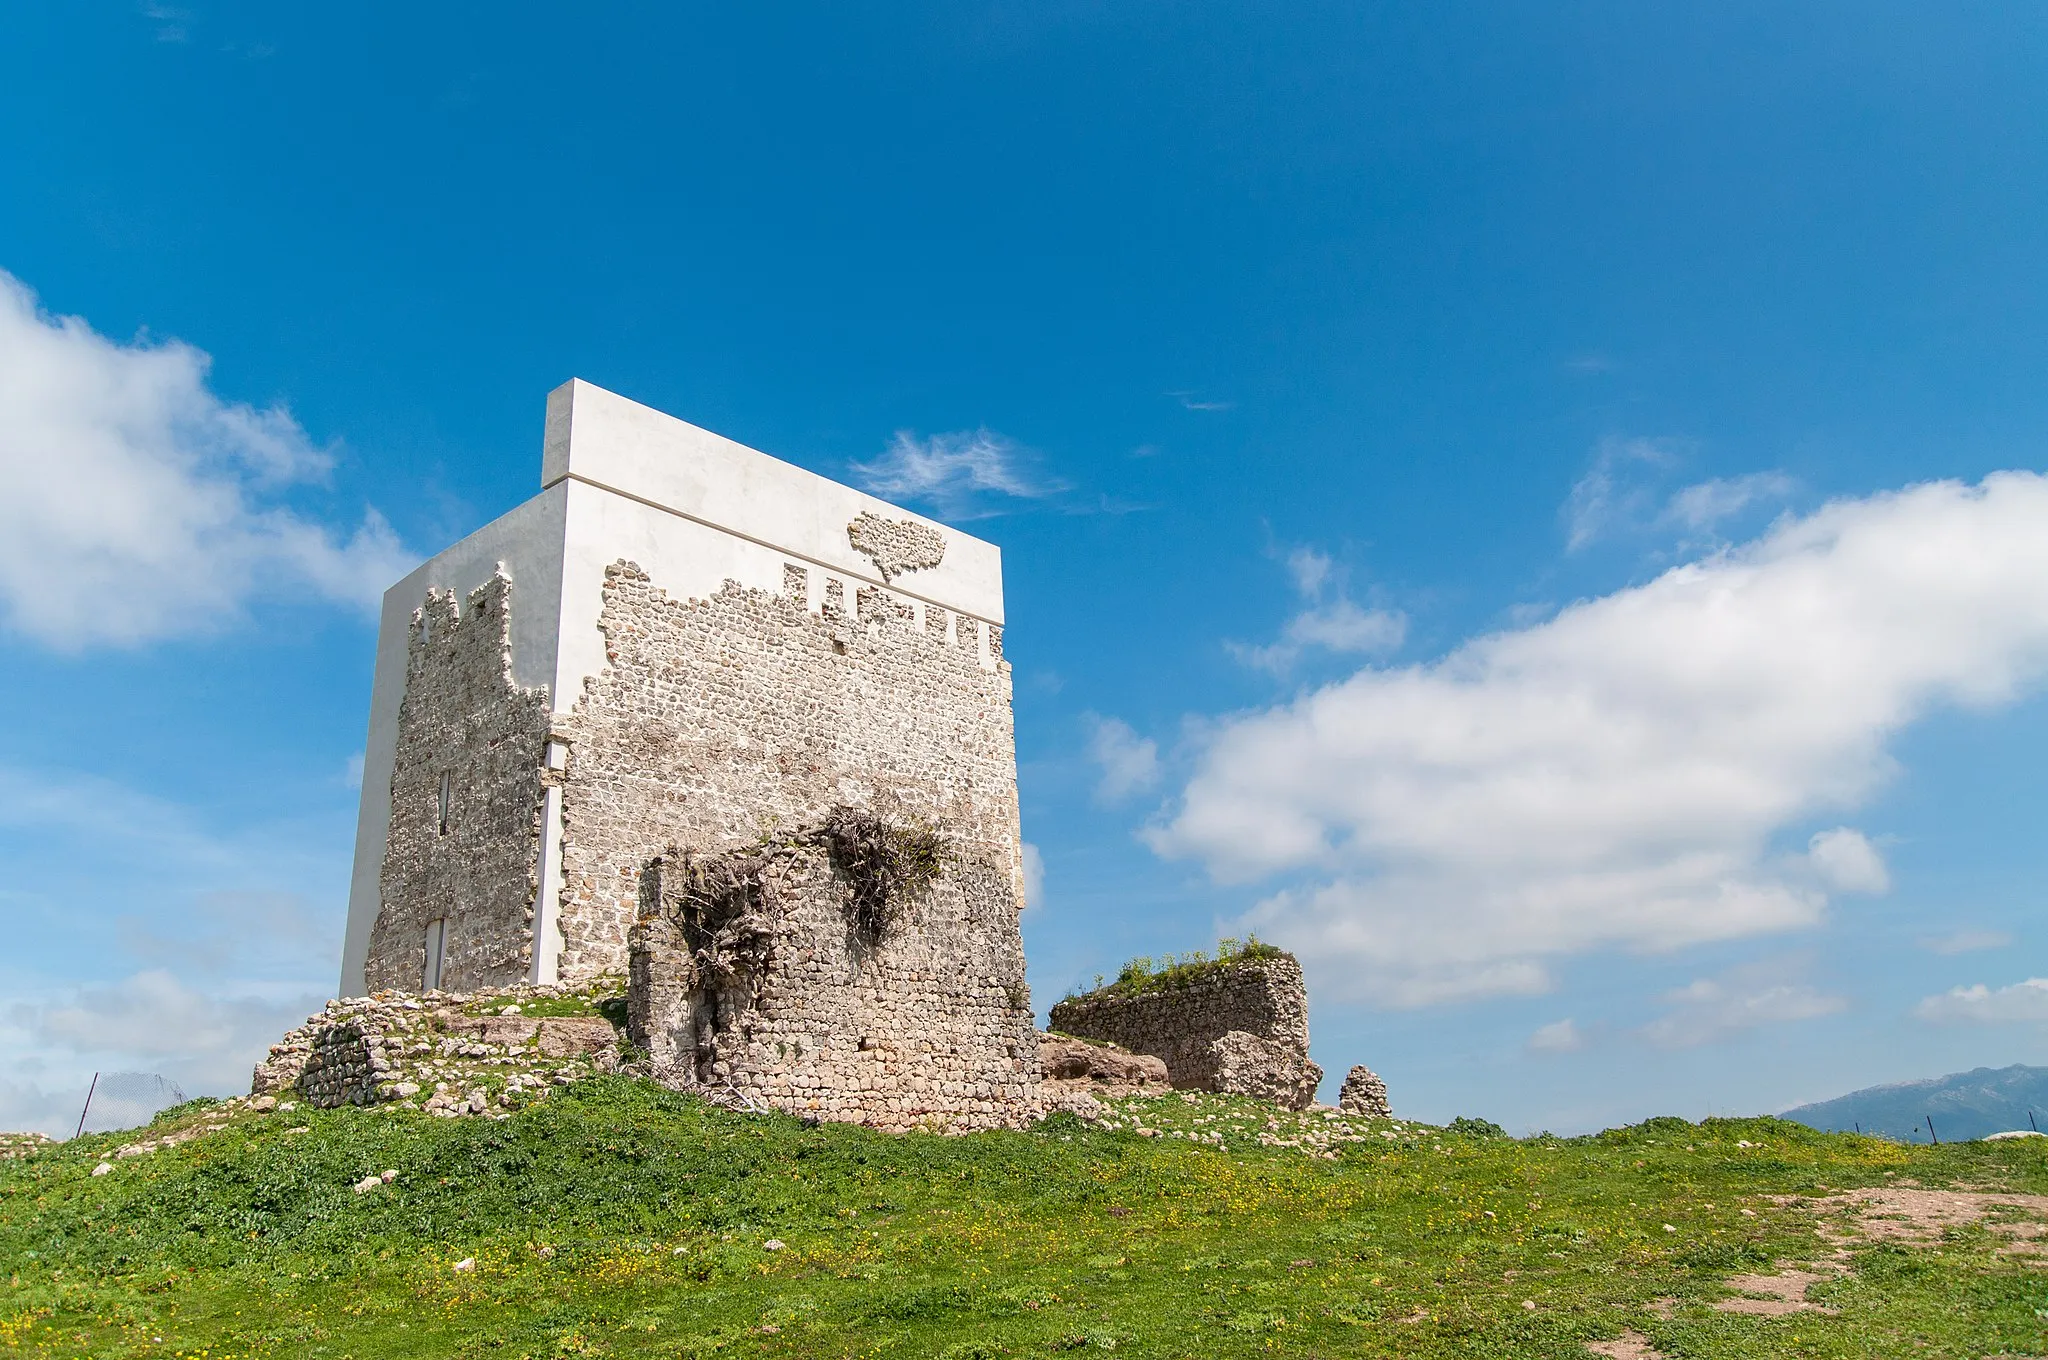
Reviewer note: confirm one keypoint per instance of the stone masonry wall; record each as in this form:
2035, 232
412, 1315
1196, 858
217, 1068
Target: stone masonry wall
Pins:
717, 721
774, 994
445, 1053
1239, 1027
462, 718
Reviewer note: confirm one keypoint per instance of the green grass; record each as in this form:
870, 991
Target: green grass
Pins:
616, 1219
1148, 974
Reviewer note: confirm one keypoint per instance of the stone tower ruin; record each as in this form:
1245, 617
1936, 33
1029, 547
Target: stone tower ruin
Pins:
690, 712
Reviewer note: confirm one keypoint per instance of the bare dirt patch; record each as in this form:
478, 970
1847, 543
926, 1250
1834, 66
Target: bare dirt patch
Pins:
1777, 1295
1627, 1346
1910, 1215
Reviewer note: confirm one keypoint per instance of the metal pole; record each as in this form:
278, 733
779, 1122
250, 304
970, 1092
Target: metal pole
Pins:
1931, 1133
88, 1103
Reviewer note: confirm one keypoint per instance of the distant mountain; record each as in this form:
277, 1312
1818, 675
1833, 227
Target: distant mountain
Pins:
1964, 1105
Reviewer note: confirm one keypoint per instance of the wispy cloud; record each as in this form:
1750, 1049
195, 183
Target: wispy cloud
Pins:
1847, 862
1129, 763
1193, 402
2021, 1003
1559, 1036
1625, 492
1034, 876
967, 474
1705, 505
141, 506
1742, 999
1966, 941
1329, 621
173, 25
1605, 496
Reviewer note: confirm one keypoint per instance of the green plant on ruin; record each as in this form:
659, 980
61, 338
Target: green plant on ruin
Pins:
885, 865
1148, 974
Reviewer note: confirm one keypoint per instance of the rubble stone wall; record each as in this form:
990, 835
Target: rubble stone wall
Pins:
718, 721
462, 720
779, 997
1240, 1027
445, 1053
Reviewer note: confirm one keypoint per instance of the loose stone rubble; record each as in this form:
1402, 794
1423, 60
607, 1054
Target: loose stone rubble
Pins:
1238, 1026
18, 1145
1364, 1094
448, 1053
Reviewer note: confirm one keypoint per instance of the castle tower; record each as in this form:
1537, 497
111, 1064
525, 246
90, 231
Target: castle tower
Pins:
684, 645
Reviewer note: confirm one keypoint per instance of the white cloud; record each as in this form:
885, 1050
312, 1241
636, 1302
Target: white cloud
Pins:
1848, 862
140, 505
2023, 1002
1966, 941
151, 1021
1616, 775
1559, 1036
956, 472
1034, 876
1330, 620
1130, 763
1718, 1008
185, 951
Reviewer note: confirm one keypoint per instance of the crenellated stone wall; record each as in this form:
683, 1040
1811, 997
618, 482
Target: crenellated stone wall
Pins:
1238, 1026
718, 721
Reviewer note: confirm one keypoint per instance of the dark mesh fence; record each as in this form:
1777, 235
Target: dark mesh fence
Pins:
123, 1100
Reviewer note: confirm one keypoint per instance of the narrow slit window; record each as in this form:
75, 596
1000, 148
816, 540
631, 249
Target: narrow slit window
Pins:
437, 953
447, 783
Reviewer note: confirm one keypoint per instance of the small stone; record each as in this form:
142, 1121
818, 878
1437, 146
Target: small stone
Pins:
103, 1168
388, 1177
465, 1265
368, 1183
263, 1104
1529, 1304
772, 1244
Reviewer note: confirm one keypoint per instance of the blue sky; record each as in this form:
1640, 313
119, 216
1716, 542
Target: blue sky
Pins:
1492, 496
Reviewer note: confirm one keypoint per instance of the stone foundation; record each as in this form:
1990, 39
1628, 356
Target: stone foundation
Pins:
446, 1053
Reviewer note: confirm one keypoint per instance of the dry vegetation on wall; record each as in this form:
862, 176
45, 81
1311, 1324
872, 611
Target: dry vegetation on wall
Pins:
884, 865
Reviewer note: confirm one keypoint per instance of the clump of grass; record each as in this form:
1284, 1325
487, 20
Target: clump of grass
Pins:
1148, 974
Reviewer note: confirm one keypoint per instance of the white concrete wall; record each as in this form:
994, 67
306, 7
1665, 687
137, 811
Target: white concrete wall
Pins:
600, 438
527, 542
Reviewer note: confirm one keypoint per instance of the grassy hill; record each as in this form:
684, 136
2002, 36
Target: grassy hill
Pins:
615, 1219
1962, 1105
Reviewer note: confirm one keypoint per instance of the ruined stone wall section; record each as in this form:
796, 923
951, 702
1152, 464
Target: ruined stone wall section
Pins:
1240, 1028
928, 1026
463, 719
717, 721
